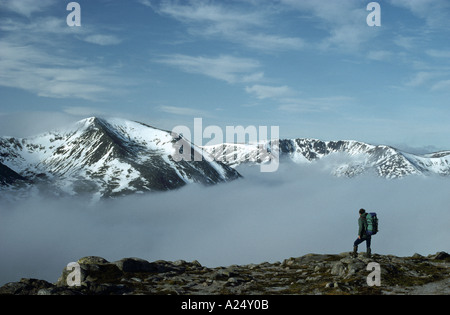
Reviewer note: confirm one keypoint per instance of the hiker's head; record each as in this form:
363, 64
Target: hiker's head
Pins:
361, 211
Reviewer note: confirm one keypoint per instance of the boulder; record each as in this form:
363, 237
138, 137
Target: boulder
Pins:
441, 255
92, 269
135, 265
338, 269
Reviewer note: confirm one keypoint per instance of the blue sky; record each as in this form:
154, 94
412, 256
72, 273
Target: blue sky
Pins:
314, 68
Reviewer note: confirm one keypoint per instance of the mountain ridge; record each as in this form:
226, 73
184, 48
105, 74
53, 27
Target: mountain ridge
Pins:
354, 157
110, 157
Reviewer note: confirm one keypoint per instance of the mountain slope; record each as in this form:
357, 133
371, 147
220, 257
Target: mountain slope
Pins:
347, 158
109, 157
8, 176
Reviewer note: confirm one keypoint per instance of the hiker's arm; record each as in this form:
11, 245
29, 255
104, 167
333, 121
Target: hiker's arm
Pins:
360, 227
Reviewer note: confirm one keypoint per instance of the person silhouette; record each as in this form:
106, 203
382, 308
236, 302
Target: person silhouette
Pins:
362, 235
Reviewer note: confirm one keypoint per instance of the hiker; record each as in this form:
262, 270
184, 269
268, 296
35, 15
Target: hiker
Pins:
362, 235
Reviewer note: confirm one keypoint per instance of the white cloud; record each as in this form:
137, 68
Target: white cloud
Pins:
26, 7
147, 3
36, 56
420, 78
248, 27
434, 12
434, 78
267, 42
379, 55
438, 53
103, 40
405, 42
344, 22
265, 91
314, 104
183, 111
226, 68
253, 77
40, 30
34, 70
443, 85
220, 18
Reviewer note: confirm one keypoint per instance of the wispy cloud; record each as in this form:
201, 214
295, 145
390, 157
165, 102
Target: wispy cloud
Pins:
25, 7
247, 26
379, 55
147, 3
103, 40
433, 12
421, 78
438, 53
265, 91
314, 104
443, 85
33, 59
49, 28
35, 70
343, 22
226, 68
183, 111
405, 42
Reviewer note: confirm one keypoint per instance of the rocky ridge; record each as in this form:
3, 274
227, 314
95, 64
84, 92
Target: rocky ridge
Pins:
311, 274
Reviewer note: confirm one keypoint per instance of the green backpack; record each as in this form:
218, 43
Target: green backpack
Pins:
372, 223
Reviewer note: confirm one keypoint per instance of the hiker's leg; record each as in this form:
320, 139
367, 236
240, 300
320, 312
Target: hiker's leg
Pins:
354, 253
358, 241
368, 243
355, 246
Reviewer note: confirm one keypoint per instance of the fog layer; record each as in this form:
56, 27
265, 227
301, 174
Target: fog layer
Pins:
262, 217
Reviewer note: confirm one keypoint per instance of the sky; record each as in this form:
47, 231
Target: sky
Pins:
313, 68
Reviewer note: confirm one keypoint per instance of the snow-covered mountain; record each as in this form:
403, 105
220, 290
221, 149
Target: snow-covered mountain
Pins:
103, 158
112, 157
345, 158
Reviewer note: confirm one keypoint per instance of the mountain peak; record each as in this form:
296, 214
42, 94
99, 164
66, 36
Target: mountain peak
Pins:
108, 157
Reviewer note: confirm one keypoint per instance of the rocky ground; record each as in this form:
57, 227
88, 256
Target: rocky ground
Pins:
338, 274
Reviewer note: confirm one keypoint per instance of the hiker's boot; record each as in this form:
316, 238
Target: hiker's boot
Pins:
369, 253
355, 252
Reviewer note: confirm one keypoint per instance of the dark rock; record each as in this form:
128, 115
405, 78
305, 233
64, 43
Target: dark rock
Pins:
89, 260
25, 287
441, 255
135, 265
